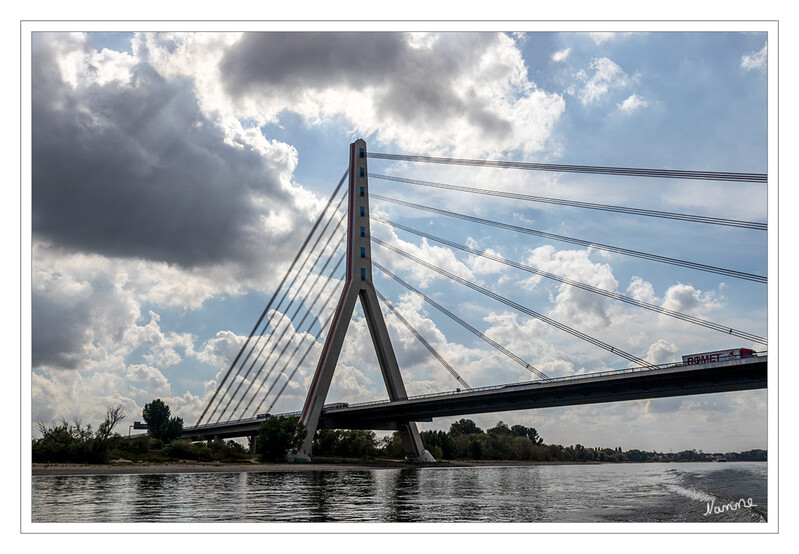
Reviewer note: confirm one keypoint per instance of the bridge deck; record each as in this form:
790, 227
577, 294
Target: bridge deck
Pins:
610, 386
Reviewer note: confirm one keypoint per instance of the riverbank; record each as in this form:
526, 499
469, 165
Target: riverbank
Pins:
327, 464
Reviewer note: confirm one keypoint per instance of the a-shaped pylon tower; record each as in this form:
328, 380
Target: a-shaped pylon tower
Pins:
358, 285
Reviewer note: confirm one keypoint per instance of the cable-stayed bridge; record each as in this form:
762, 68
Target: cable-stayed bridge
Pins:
317, 297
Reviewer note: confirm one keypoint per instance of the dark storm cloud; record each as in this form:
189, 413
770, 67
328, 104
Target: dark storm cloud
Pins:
134, 170
311, 60
415, 85
71, 317
61, 345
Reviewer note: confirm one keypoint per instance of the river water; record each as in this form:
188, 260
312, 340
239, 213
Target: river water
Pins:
682, 492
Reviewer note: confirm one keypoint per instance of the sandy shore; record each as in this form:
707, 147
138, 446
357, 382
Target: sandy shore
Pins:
195, 467
125, 468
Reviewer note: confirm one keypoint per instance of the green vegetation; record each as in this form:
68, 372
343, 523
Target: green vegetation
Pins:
77, 443
159, 424
279, 435
353, 443
466, 441
74, 442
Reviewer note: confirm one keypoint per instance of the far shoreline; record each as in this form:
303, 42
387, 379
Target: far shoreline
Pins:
137, 468
324, 464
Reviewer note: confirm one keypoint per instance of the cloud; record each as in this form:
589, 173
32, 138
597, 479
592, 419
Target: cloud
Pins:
150, 378
161, 347
633, 103
572, 304
602, 37
689, 300
607, 76
561, 55
438, 256
642, 290
133, 168
221, 350
79, 317
442, 93
755, 60
661, 352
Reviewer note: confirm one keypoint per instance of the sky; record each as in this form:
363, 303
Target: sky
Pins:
175, 175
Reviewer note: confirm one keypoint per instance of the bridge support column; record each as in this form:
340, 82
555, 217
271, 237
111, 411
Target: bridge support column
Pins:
358, 286
252, 442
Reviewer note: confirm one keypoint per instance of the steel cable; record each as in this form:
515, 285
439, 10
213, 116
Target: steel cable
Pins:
274, 295
671, 313
297, 347
586, 243
515, 305
291, 318
601, 170
462, 323
280, 303
422, 340
299, 364
587, 205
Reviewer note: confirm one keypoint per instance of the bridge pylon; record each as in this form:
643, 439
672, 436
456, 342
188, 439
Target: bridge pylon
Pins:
358, 285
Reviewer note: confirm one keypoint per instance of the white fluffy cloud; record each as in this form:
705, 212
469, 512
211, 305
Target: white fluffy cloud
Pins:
601, 37
574, 305
755, 60
607, 76
662, 352
561, 55
633, 103
150, 378
687, 299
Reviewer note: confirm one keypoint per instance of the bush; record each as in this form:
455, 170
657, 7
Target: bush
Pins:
72, 442
186, 450
137, 445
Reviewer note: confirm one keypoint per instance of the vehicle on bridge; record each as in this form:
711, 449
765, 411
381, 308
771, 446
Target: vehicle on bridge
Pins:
336, 406
718, 355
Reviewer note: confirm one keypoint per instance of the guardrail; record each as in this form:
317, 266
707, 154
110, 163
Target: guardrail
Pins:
238, 421
527, 384
524, 384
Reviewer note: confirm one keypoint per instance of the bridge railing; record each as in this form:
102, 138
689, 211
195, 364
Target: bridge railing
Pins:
489, 388
238, 421
527, 384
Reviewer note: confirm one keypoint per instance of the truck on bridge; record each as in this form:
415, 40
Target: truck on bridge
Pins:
717, 356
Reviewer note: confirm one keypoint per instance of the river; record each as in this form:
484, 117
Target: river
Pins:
676, 492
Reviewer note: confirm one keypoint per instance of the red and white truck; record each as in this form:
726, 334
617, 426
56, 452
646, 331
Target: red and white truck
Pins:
717, 356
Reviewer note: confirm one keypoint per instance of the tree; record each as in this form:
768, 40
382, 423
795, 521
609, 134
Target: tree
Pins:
529, 432
499, 429
474, 449
441, 440
159, 424
173, 430
279, 435
464, 427
391, 446
112, 417
326, 442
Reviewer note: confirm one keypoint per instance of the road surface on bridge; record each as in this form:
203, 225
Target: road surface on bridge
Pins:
609, 386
